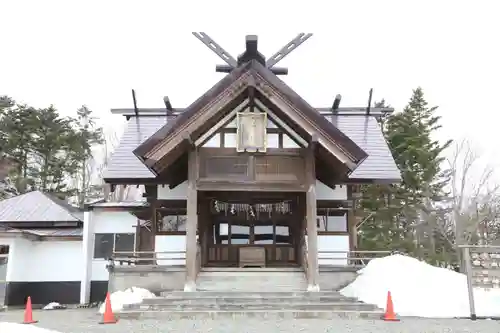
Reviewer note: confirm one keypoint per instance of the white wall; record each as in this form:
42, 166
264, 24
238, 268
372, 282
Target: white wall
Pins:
324, 192
165, 243
33, 261
177, 193
105, 221
333, 243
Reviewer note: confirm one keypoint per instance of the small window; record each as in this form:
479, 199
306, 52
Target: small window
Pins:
332, 223
230, 140
124, 242
213, 142
273, 140
264, 234
103, 247
172, 223
240, 234
106, 244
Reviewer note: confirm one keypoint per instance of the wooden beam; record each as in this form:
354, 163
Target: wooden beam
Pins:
311, 211
192, 221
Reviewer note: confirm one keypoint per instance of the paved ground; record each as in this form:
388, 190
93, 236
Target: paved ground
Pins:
86, 321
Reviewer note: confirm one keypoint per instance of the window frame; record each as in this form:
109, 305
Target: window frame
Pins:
321, 214
114, 243
170, 212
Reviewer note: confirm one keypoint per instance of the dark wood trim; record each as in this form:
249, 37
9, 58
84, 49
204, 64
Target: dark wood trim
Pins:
277, 88
225, 185
333, 233
182, 118
170, 233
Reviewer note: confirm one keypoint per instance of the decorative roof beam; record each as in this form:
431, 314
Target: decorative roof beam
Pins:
287, 49
216, 48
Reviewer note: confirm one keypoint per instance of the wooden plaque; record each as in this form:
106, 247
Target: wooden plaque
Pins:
251, 131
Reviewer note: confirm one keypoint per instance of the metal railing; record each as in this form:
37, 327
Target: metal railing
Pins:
482, 267
349, 258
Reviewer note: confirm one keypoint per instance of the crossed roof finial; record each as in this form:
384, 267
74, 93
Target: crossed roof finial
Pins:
252, 53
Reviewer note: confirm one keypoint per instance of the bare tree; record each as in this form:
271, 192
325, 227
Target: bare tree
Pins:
475, 202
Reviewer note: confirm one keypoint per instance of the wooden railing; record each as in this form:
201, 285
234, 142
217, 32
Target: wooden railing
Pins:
167, 258
229, 254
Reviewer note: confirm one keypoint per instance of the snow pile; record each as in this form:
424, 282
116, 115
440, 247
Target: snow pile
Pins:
419, 289
21, 328
53, 306
129, 296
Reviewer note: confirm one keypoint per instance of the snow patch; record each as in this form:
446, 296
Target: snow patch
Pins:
419, 289
22, 328
119, 299
53, 306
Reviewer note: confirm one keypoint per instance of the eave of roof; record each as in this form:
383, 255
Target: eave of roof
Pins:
333, 135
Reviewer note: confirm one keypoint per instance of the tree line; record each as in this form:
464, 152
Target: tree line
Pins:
435, 208
51, 151
441, 202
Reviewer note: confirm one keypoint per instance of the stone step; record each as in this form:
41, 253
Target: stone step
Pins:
261, 314
248, 300
248, 294
286, 270
348, 306
251, 280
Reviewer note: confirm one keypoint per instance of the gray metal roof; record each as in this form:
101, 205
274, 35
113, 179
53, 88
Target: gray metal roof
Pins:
38, 207
125, 204
363, 130
123, 163
51, 232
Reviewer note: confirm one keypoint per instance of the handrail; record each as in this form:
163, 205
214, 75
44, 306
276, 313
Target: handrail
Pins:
353, 258
139, 257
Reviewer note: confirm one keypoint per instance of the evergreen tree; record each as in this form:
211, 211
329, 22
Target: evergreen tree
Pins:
87, 136
51, 149
397, 209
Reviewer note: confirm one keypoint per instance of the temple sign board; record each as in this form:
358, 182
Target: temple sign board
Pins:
251, 132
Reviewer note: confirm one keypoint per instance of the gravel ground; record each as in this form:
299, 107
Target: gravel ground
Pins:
86, 321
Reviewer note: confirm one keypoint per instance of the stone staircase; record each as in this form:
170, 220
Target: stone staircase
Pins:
251, 279
262, 293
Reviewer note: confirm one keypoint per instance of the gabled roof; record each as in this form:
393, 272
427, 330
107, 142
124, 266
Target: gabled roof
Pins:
124, 164
379, 166
229, 93
38, 207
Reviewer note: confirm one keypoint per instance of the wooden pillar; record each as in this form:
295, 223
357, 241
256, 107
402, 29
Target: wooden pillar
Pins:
204, 231
351, 218
311, 209
192, 222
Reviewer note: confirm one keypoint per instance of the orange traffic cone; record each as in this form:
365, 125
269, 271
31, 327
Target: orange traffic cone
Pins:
28, 313
108, 317
389, 314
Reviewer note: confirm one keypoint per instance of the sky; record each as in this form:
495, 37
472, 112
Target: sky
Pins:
70, 53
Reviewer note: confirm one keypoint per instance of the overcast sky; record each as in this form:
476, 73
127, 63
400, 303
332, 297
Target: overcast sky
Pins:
70, 53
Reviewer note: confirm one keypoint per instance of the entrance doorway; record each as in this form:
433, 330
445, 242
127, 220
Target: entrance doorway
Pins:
254, 235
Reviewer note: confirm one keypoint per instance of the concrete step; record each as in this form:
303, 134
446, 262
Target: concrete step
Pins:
249, 280
252, 269
247, 300
261, 314
347, 306
249, 294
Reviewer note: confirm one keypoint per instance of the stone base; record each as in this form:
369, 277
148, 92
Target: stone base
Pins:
190, 286
313, 288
